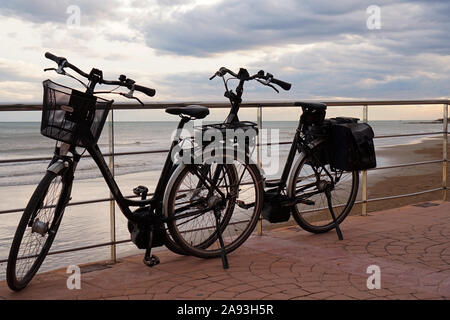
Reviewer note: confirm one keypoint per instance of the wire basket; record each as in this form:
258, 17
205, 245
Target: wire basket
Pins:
72, 116
243, 125
240, 137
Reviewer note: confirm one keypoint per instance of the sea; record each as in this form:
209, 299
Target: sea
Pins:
90, 224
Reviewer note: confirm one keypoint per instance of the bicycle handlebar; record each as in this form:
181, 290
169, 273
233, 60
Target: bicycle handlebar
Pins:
284, 85
148, 91
123, 82
58, 60
242, 75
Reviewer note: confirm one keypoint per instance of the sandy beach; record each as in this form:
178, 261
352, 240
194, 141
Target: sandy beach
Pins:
389, 182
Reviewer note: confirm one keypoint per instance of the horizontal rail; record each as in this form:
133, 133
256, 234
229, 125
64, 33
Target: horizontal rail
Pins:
84, 156
411, 164
405, 195
249, 104
410, 135
93, 246
76, 203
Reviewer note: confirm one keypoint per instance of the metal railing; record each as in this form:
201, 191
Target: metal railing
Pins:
260, 106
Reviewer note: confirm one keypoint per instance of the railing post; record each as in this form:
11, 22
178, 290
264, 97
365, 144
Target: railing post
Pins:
259, 162
444, 152
364, 172
112, 205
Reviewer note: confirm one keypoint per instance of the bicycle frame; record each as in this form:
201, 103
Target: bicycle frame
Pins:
124, 203
298, 142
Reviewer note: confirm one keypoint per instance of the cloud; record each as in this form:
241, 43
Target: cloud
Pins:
232, 25
43, 11
360, 70
15, 70
239, 25
328, 71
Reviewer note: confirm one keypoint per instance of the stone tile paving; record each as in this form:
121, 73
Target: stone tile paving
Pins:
411, 245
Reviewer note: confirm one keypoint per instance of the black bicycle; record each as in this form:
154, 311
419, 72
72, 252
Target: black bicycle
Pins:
319, 181
194, 200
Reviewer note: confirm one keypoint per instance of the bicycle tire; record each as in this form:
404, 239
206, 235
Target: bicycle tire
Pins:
306, 217
208, 248
169, 242
172, 245
33, 210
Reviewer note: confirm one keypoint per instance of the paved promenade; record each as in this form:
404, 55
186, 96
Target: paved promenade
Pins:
411, 246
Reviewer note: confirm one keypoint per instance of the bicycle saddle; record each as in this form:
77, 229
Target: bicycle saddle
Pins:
312, 105
194, 111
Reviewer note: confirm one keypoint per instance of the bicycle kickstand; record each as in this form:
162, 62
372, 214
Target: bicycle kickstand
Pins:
223, 253
330, 207
150, 260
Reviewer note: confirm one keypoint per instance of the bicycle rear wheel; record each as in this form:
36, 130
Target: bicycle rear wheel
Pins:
37, 230
191, 218
316, 218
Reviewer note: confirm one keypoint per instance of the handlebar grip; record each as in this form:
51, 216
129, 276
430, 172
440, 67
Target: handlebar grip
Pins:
285, 85
58, 60
148, 91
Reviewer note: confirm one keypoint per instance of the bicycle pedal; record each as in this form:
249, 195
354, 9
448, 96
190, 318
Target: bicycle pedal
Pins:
141, 191
151, 261
308, 202
244, 205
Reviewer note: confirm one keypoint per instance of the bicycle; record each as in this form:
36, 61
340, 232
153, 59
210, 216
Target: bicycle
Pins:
75, 119
316, 187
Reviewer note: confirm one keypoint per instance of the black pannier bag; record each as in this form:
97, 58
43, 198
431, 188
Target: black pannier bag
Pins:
351, 145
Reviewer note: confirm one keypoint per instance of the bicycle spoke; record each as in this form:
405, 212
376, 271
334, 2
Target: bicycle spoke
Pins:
33, 242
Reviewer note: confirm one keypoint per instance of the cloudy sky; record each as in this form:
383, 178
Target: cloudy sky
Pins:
323, 47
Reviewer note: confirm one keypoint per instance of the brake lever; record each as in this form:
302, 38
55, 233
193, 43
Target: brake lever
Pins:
59, 70
267, 83
273, 87
264, 81
217, 74
139, 100
127, 95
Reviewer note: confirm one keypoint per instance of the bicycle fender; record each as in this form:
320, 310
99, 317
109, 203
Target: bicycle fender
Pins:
291, 179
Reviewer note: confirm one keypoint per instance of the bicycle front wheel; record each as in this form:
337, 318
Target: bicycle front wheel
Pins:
37, 230
308, 182
191, 218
